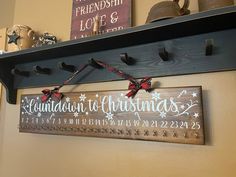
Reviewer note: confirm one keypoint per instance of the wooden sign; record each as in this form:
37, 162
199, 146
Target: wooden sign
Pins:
170, 115
113, 15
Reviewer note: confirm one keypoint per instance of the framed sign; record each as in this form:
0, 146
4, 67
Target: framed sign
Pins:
169, 115
113, 15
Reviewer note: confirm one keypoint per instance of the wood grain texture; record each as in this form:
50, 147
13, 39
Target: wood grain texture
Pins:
186, 56
169, 115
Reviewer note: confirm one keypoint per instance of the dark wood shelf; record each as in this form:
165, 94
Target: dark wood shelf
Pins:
183, 37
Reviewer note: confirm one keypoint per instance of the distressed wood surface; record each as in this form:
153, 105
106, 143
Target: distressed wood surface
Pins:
168, 115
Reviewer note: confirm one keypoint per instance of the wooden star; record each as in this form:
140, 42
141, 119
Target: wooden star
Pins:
13, 38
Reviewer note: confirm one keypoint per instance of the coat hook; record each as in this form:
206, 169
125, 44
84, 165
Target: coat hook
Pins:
146, 133
15, 71
174, 134
94, 64
209, 47
64, 66
127, 59
163, 54
164, 133
155, 133
39, 70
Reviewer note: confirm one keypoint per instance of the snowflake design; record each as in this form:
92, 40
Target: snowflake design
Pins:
196, 115
194, 94
163, 114
109, 116
82, 97
156, 96
67, 99
76, 114
39, 114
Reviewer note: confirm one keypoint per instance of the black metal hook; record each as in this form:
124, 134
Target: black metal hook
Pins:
127, 59
64, 66
163, 54
39, 70
209, 47
15, 71
94, 64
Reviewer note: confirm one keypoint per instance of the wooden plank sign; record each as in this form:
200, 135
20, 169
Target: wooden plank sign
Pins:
113, 15
168, 114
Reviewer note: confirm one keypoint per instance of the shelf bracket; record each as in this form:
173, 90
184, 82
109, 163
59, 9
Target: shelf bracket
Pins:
6, 78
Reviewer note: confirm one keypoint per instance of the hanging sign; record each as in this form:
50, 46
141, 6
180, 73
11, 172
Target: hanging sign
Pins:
169, 115
113, 15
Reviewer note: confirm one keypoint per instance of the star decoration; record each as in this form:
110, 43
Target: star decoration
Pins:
196, 115
194, 94
67, 99
76, 114
109, 116
13, 38
156, 96
163, 114
82, 97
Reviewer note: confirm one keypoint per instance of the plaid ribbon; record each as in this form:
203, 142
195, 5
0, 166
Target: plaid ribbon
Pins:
55, 94
144, 84
134, 85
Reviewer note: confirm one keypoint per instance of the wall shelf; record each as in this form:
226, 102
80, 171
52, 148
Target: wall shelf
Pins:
197, 43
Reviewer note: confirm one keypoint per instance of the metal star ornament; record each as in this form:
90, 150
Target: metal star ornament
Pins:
13, 38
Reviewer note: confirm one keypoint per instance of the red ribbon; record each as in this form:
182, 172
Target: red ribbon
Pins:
144, 84
134, 85
54, 94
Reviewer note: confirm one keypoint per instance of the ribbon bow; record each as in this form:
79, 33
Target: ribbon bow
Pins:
54, 94
144, 84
